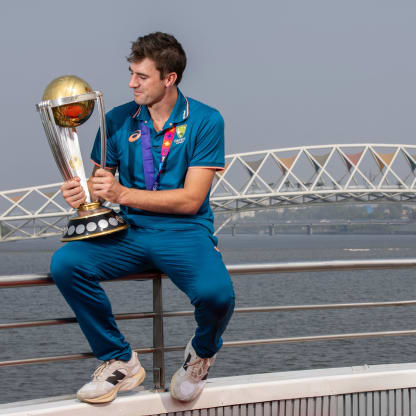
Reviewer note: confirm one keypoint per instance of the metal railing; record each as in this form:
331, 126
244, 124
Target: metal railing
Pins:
158, 349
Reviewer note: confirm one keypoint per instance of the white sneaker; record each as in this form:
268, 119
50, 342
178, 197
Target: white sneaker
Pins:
110, 378
188, 382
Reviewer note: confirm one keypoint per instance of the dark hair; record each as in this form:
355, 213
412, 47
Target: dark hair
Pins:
164, 50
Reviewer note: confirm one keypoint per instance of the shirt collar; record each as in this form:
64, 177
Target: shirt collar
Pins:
179, 113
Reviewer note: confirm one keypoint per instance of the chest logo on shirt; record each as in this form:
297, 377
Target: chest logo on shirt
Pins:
180, 131
135, 136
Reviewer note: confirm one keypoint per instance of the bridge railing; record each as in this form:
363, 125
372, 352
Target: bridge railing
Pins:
158, 314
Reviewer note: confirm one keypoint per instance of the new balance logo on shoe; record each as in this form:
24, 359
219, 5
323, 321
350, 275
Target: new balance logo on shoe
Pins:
110, 378
185, 364
116, 377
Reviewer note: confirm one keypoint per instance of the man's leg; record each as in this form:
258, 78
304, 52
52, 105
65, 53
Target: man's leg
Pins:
77, 269
193, 263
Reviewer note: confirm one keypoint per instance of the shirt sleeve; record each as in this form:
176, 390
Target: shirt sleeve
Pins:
209, 148
111, 151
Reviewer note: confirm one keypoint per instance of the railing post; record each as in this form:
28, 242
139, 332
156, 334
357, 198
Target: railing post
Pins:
158, 341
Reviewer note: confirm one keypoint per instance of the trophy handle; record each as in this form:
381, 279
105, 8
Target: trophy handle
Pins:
51, 132
103, 130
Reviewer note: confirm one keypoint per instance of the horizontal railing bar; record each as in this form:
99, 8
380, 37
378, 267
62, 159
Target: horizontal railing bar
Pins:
225, 344
317, 266
240, 269
41, 279
320, 338
144, 315
33, 216
289, 308
46, 322
69, 357
63, 321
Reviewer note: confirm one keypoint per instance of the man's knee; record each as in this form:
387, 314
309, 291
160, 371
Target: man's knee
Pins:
65, 266
219, 299
61, 266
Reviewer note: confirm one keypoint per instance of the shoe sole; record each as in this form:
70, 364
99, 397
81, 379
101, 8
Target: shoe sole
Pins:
171, 389
172, 393
133, 382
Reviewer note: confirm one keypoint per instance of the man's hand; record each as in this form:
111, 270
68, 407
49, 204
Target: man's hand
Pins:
73, 192
104, 185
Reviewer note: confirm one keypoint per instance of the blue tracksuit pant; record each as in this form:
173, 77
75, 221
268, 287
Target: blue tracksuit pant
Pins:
188, 257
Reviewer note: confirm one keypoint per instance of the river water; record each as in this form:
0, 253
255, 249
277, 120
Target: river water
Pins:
43, 380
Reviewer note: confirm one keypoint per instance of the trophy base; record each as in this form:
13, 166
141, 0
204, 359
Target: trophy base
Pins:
93, 220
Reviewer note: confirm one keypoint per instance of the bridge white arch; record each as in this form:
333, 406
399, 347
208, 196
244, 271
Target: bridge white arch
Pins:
341, 173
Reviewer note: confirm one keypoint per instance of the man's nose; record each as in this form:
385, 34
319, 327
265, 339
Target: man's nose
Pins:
134, 82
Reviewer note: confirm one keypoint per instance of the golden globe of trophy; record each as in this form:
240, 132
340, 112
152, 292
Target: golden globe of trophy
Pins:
68, 102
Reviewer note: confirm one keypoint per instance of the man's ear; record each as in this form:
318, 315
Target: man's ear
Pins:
171, 79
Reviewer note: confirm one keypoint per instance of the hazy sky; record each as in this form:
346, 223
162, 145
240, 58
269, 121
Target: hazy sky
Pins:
283, 73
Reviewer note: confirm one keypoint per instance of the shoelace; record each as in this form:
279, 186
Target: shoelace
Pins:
100, 370
199, 368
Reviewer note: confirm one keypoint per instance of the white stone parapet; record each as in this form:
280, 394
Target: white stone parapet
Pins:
379, 389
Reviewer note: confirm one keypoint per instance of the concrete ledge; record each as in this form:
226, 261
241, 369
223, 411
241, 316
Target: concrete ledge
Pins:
229, 391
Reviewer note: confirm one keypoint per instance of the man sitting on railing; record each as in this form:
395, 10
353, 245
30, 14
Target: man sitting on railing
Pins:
171, 223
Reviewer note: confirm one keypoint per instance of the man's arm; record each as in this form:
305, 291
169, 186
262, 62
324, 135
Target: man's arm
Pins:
186, 200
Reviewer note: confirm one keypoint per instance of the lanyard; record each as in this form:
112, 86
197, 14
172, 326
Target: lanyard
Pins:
148, 165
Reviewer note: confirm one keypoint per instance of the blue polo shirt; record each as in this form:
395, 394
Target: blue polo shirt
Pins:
198, 142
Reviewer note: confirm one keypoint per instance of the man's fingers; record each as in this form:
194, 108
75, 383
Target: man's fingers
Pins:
76, 201
75, 196
73, 183
103, 179
99, 185
73, 191
102, 183
102, 172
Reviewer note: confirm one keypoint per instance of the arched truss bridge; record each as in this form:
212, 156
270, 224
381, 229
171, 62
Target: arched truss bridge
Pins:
341, 173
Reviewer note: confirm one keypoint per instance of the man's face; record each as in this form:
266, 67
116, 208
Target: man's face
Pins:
145, 82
